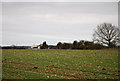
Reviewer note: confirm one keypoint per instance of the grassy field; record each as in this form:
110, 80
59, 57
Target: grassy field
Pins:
60, 64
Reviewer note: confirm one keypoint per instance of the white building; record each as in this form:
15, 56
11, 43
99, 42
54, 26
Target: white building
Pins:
35, 47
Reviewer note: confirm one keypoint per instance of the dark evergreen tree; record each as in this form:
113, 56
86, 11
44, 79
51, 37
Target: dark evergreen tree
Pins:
44, 45
59, 45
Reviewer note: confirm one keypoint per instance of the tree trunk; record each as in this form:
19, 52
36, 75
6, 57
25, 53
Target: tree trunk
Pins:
109, 44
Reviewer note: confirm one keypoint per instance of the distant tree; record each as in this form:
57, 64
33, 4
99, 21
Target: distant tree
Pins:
59, 45
107, 34
75, 45
81, 44
66, 46
44, 45
88, 45
98, 46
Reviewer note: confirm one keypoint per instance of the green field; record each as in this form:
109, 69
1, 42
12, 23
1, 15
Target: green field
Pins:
59, 64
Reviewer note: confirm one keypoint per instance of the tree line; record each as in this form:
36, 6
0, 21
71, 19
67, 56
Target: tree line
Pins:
75, 45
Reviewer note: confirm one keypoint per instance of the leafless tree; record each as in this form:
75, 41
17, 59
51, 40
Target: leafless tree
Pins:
107, 34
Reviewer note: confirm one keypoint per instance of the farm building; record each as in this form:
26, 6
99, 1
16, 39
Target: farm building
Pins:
35, 46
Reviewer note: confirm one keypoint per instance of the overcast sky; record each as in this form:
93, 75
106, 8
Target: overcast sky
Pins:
28, 23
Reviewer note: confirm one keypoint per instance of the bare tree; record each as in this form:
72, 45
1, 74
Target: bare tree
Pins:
107, 34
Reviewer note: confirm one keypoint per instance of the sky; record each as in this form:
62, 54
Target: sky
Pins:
28, 23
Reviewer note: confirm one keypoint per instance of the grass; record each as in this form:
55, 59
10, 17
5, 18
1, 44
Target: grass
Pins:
60, 64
